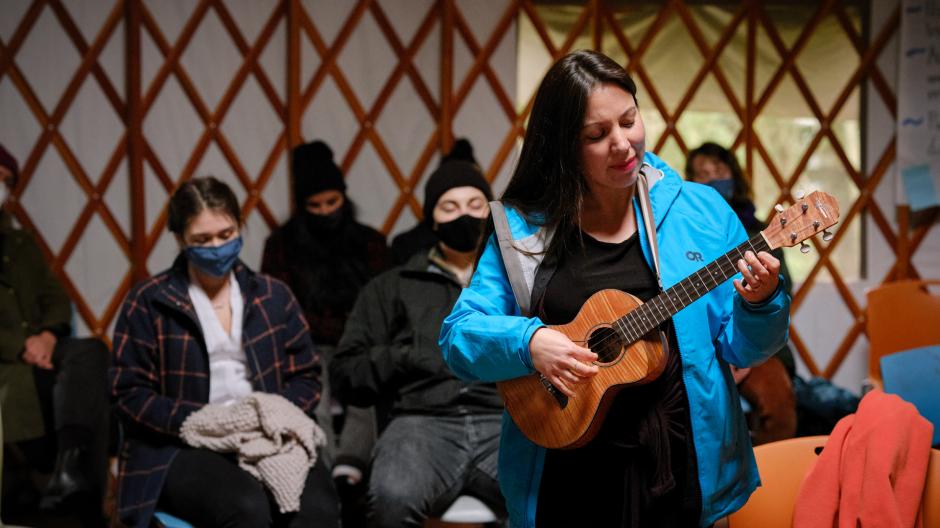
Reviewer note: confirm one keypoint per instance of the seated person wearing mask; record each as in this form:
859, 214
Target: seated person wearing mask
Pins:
325, 256
443, 436
421, 237
210, 332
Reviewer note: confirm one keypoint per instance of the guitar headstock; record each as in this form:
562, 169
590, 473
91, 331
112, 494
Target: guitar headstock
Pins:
811, 214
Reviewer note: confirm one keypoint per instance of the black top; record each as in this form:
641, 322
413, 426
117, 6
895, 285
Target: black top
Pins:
640, 468
601, 266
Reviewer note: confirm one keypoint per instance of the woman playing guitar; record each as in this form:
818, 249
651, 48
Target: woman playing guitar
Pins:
671, 449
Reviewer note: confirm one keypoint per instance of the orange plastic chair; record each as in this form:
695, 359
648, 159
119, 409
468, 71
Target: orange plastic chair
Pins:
931, 501
782, 466
900, 316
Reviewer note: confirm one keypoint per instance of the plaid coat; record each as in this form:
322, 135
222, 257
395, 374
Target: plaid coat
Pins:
160, 371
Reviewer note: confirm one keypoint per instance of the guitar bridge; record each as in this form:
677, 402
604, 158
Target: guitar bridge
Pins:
557, 394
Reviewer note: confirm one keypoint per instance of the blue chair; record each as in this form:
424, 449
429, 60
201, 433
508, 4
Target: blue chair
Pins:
168, 521
914, 375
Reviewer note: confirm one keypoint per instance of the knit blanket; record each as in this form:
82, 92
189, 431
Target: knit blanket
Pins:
273, 439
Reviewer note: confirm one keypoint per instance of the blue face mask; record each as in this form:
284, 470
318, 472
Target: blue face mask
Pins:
215, 261
724, 187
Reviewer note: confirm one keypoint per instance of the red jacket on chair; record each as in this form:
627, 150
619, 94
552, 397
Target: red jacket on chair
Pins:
872, 470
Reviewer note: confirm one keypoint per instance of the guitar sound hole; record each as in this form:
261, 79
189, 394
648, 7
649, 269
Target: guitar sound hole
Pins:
606, 343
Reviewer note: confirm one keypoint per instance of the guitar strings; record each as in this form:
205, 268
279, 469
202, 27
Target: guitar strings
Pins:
623, 326
685, 299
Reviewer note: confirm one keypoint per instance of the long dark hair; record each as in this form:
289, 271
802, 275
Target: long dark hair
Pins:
742, 190
197, 194
548, 185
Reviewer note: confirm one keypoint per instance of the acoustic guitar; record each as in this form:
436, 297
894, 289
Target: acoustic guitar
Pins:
621, 330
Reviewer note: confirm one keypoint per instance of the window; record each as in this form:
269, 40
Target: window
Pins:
683, 108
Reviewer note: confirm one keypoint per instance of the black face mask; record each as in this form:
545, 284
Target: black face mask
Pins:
462, 234
325, 223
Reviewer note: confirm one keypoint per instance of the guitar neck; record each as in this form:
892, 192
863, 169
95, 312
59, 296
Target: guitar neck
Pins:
659, 309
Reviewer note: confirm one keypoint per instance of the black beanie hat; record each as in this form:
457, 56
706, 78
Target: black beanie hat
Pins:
314, 170
454, 173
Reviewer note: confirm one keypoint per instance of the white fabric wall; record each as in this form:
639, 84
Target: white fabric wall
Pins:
92, 129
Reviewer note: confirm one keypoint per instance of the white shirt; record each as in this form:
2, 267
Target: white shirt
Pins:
228, 374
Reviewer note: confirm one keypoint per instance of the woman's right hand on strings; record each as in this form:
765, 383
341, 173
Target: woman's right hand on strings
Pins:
562, 362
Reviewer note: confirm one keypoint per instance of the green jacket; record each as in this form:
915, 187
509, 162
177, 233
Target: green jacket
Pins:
31, 300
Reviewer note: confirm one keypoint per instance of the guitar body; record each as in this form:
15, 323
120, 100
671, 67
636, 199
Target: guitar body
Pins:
552, 420
621, 330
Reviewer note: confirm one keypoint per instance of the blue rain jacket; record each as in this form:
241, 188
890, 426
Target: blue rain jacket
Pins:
486, 338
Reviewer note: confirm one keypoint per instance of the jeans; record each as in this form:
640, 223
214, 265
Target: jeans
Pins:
422, 464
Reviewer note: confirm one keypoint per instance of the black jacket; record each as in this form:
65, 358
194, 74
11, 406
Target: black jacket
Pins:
326, 270
389, 356
419, 239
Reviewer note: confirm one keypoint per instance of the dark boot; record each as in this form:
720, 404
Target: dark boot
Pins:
69, 485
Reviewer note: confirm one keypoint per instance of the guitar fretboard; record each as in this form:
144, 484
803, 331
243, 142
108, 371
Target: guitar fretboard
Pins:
654, 312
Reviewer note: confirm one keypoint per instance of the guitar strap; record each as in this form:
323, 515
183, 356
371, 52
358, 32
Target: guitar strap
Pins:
511, 257
649, 223
520, 289
646, 209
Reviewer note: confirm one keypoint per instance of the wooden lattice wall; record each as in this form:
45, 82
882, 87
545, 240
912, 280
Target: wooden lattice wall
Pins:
306, 48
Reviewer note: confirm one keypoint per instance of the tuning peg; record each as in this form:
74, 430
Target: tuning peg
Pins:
827, 235
799, 195
804, 248
779, 208
804, 207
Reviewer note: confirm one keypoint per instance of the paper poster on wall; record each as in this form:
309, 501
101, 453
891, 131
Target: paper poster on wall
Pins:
918, 140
